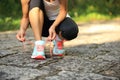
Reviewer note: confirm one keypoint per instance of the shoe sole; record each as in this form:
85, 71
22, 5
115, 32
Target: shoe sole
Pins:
61, 55
39, 57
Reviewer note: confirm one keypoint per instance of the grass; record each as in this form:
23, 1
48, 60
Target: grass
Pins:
10, 23
92, 17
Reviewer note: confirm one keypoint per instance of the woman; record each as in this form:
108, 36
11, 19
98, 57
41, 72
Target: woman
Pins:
47, 18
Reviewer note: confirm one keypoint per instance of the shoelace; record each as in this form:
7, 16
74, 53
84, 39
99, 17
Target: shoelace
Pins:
46, 42
24, 45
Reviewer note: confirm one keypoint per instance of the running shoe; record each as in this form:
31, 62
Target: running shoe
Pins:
58, 49
38, 51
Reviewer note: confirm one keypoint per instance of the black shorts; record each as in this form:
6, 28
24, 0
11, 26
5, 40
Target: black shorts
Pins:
68, 27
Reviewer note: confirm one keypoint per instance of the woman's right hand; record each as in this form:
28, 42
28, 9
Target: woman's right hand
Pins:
24, 21
23, 27
21, 35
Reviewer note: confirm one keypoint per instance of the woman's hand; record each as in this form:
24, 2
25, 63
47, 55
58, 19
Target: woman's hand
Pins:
21, 35
61, 16
24, 21
23, 27
52, 34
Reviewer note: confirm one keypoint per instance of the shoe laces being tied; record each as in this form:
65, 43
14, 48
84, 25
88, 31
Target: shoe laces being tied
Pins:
39, 47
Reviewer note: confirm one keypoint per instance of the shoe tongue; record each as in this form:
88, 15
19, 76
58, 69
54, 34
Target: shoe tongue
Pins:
40, 47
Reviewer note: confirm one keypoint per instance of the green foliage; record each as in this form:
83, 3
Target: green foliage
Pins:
10, 8
91, 17
9, 23
91, 10
10, 12
79, 10
106, 7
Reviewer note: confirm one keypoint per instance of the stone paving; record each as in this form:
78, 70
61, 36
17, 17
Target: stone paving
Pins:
93, 55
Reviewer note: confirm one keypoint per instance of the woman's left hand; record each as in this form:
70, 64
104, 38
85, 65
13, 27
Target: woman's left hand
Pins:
52, 34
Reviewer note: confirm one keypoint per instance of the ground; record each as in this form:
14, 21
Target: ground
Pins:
93, 55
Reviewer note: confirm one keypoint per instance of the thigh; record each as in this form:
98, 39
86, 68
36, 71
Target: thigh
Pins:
47, 23
46, 26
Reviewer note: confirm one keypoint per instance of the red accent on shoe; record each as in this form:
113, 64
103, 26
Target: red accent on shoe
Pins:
60, 44
40, 57
40, 48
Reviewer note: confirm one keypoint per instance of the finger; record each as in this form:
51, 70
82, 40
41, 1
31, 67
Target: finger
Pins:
50, 36
18, 37
53, 36
22, 38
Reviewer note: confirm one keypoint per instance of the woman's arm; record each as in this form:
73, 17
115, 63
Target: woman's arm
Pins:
25, 18
24, 21
61, 16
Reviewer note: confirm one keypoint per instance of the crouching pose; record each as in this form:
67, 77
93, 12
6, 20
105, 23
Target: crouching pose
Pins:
48, 18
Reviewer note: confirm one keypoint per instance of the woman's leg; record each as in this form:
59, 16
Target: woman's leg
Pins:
67, 29
36, 19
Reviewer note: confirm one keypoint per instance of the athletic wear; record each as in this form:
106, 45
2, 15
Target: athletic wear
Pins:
68, 27
52, 9
38, 52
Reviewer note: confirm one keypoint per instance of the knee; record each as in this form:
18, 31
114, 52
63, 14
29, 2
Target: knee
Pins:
70, 30
70, 34
35, 10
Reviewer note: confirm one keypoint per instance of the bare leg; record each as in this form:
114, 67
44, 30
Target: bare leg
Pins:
36, 20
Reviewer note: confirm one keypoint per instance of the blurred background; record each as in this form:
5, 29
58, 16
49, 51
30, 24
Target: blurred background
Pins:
80, 10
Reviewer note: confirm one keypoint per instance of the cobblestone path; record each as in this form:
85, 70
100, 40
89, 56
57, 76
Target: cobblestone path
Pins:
93, 55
